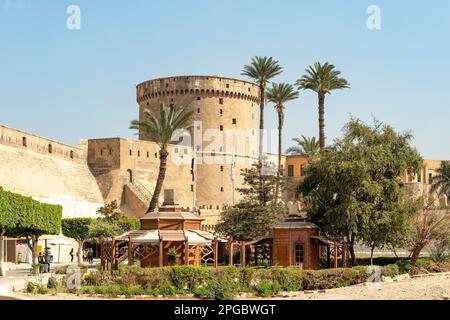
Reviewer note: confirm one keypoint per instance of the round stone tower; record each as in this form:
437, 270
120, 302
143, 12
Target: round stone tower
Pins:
224, 126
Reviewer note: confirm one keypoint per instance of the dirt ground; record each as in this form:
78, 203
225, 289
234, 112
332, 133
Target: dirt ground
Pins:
436, 287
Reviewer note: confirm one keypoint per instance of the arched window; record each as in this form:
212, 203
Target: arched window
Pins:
24, 141
50, 149
130, 175
71, 154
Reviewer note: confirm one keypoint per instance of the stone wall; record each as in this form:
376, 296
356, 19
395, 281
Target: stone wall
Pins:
57, 177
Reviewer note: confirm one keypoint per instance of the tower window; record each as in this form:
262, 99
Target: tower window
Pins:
227, 85
198, 110
148, 154
101, 152
156, 155
24, 141
131, 152
234, 121
192, 188
198, 98
221, 112
221, 189
220, 100
221, 127
139, 153
221, 168
50, 149
71, 154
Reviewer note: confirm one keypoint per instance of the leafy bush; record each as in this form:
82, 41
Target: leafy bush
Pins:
390, 270
288, 278
172, 256
52, 283
214, 290
403, 265
167, 289
40, 289
31, 287
189, 277
268, 288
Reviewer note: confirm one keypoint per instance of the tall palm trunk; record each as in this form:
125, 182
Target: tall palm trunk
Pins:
321, 120
262, 94
280, 138
159, 183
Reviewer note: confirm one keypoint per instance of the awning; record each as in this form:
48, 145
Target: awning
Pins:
172, 235
194, 238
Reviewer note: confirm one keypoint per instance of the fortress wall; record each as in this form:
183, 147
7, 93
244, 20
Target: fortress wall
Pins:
53, 178
140, 159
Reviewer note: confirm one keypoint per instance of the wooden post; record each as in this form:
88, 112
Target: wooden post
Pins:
344, 255
328, 256
161, 253
230, 258
243, 262
113, 254
130, 252
335, 255
216, 253
186, 252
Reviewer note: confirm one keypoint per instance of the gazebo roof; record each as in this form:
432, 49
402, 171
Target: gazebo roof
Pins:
295, 224
193, 237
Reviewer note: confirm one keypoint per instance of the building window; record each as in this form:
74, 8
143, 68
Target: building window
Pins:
221, 168
198, 148
227, 85
221, 127
185, 151
290, 170
221, 112
139, 153
220, 100
302, 170
234, 121
148, 154
176, 150
101, 152
192, 188
430, 178
50, 149
130, 175
156, 155
198, 110
221, 189
24, 141
299, 253
131, 152
71, 154
198, 98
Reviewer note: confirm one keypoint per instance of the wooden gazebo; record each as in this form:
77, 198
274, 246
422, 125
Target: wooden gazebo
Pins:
171, 227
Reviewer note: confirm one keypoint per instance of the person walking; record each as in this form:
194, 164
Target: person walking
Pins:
71, 255
91, 256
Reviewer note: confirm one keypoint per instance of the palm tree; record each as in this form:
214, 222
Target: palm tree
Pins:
163, 131
441, 181
280, 94
261, 70
306, 146
322, 79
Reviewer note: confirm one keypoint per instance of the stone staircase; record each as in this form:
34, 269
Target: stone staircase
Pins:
140, 191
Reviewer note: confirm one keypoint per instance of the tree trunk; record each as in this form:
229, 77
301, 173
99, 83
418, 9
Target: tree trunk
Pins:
280, 136
79, 252
416, 253
262, 94
34, 254
322, 120
2, 266
159, 183
352, 250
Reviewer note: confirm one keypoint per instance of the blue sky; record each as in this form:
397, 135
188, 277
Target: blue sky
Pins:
77, 84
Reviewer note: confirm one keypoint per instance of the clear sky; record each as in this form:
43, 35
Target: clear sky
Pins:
77, 84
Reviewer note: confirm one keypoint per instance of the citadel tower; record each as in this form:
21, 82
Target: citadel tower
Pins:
225, 116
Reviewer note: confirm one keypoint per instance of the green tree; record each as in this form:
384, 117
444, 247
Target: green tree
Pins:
353, 188
441, 181
279, 94
22, 216
253, 216
77, 229
162, 130
261, 70
306, 146
322, 79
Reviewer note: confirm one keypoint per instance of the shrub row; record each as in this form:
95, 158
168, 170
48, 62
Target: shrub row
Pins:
224, 282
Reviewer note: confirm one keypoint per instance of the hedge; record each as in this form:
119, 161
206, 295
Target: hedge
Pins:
23, 216
227, 281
